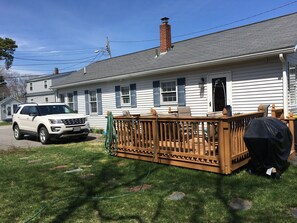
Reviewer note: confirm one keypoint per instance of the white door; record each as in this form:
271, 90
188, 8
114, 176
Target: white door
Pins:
219, 90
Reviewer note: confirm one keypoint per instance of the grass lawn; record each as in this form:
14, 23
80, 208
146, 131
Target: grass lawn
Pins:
34, 179
4, 123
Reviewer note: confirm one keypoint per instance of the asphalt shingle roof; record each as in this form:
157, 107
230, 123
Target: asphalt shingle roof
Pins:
273, 34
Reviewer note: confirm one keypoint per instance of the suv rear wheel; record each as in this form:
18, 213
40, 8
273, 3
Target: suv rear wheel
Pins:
43, 135
17, 133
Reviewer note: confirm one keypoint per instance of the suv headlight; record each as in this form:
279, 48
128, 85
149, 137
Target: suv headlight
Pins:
55, 121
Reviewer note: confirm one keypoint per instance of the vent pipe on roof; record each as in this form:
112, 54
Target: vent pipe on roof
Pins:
165, 35
85, 70
56, 71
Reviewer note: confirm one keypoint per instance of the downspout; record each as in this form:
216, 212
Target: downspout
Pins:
285, 84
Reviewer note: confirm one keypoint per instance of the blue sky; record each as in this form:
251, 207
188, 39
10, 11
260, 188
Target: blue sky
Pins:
65, 33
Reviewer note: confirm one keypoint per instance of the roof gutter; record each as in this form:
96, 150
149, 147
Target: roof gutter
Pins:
181, 67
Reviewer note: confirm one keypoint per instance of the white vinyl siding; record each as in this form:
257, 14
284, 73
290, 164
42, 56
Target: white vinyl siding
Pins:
253, 83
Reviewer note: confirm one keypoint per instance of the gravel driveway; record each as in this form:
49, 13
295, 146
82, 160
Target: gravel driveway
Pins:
7, 140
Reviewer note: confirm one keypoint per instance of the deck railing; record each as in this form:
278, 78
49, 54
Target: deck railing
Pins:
206, 143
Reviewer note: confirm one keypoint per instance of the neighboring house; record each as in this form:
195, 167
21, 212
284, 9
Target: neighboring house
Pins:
38, 89
242, 67
8, 106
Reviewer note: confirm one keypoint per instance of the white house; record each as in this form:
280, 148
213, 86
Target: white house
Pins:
241, 67
38, 89
7, 107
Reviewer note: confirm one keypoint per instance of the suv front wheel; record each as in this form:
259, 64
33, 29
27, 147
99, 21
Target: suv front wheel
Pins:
43, 135
17, 133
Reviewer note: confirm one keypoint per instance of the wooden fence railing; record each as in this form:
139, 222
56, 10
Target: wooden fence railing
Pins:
206, 143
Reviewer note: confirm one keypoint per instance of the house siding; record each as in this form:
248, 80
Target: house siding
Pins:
38, 88
292, 58
253, 83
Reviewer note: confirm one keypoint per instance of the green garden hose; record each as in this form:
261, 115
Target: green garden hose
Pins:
111, 141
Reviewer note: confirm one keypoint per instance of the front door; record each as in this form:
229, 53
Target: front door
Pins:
219, 91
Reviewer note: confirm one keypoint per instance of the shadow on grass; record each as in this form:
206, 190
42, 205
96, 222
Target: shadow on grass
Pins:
89, 192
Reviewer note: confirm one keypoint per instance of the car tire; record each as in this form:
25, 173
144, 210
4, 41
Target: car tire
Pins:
17, 133
43, 135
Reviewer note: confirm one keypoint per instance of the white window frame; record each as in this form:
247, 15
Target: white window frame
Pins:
31, 86
292, 85
45, 84
93, 102
125, 96
70, 102
163, 93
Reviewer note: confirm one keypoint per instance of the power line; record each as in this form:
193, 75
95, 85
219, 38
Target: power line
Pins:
54, 51
31, 59
204, 30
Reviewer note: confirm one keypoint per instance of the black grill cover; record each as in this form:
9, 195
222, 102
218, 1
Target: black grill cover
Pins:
269, 142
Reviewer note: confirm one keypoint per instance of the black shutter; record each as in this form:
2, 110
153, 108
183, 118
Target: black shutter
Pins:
156, 92
99, 101
118, 96
87, 102
75, 101
181, 82
133, 95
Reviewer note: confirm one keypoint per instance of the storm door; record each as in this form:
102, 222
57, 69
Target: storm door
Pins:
219, 92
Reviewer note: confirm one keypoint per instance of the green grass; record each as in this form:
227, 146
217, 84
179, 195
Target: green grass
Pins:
27, 183
2, 123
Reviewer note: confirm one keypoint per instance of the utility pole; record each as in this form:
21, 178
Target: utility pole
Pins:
108, 47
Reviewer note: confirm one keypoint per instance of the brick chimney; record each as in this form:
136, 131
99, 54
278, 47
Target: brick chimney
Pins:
56, 71
165, 35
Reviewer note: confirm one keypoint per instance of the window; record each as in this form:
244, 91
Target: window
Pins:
62, 98
46, 100
31, 87
32, 99
125, 95
45, 84
292, 85
93, 101
14, 108
27, 110
70, 100
9, 111
168, 91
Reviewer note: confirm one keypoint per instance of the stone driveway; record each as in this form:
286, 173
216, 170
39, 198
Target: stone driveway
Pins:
7, 140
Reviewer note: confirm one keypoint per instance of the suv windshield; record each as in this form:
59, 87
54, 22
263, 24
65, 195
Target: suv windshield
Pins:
54, 109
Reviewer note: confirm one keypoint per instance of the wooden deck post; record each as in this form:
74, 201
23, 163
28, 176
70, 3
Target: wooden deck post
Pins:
291, 127
155, 129
224, 144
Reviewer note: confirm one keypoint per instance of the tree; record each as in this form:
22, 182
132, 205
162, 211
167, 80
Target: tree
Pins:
15, 82
7, 48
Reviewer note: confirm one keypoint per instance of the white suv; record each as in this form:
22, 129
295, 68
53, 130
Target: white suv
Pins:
50, 120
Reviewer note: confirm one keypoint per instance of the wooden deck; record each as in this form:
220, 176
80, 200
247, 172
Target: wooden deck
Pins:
205, 143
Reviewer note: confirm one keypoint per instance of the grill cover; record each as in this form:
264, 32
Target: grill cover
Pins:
269, 142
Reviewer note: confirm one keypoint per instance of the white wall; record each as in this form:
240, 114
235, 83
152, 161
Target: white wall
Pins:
253, 83
41, 99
